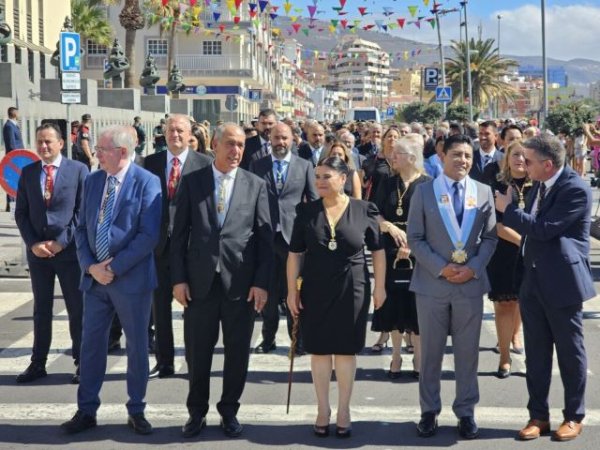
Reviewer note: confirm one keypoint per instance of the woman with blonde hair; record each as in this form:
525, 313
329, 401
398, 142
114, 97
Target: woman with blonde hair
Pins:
399, 314
352, 187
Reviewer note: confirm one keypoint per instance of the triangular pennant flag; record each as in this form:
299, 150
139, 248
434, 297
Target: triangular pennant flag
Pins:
193, 2
274, 8
344, 23
312, 10
305, 31
401, 22
385, 28
238, 4
294, 18
342, 3
331, 29
379, 24
418, 24
273, 16
432, 23
222, 27
388, 11
236, 20
263, 4
216, 16
413, 10
252, 14
426, 3
287, 7
252, 6
296, 26
392, 26
334, 22
362, 10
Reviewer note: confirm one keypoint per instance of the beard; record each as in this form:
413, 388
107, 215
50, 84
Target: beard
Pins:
280, 151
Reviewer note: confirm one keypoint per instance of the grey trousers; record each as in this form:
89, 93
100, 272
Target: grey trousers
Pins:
461, 317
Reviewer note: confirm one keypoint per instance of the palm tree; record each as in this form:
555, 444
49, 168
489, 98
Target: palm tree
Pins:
90, 21
487, 67
132, 19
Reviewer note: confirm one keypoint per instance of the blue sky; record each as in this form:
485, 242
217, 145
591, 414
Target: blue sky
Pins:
571, 25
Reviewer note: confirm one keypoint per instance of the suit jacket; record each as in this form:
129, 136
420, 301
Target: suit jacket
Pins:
432, 247
305, 152
253, 151
477, 171
557, 240
368, 149
157, 163
243, 247
299, 185
58, 222
12, 136
134, 230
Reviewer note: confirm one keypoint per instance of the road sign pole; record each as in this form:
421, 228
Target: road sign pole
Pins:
69, 146
442, 65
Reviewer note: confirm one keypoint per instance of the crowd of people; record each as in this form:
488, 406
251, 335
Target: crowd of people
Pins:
281, 216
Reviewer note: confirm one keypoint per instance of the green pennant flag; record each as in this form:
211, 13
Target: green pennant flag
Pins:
413, 10
334, 22
305, 31
392, 26
432, 23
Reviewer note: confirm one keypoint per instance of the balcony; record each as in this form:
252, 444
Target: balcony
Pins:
229, 65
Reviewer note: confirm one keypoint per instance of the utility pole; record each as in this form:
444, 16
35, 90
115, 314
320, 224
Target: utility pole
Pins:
468, 48
442, 65
544, 64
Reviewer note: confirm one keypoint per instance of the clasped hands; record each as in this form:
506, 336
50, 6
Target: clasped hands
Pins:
457, 274
181, 293
101, 272
46, 249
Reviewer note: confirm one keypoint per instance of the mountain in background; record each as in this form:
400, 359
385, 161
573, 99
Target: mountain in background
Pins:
580, 71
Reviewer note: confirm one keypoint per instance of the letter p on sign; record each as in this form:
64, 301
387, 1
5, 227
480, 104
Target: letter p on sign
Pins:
70, 51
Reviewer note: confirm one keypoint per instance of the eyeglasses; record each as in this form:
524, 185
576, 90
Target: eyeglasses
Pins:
103, 149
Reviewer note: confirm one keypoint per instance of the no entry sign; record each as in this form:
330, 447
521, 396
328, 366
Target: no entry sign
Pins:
11, 167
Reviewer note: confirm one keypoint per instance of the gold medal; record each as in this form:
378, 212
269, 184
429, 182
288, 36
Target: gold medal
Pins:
332, 245
47, 195
399, 211
220, 208
459, 256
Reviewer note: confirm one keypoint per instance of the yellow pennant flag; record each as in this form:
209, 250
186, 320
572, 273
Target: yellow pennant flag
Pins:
331, 29
293, 18
426, 3
287, 7
413, 10
405, 55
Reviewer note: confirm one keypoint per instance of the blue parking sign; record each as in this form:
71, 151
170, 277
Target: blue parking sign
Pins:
70, 52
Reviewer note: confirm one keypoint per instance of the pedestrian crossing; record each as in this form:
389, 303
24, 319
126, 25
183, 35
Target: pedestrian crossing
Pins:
376, 397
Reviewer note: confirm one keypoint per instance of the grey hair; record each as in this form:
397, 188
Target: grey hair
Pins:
547, 147
121, 136
185, 119
221, 130
413, 144
347, 133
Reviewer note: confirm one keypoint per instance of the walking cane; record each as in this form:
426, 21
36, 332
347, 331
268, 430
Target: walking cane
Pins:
293, 351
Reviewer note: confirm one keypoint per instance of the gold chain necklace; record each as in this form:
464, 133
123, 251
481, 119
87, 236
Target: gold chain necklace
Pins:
332, 245
399, 209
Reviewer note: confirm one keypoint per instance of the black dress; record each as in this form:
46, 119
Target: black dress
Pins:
501, 268
348, 186
336, 289
376, 171
399, 312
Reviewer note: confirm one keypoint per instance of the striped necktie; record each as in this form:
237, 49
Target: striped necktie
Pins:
104, 221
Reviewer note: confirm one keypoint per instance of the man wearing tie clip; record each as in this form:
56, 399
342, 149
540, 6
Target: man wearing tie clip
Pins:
452, 234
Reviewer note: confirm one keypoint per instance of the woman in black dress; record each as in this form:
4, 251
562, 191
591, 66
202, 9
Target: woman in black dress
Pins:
332, 305
377, 167
399, 313
352, 187
500, 270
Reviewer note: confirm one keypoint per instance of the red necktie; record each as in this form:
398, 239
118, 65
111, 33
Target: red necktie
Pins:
49, 186
173, 178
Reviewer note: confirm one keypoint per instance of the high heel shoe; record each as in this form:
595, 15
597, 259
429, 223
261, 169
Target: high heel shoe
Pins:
321, 431
394, 375
379, 345
343, 432
504, 373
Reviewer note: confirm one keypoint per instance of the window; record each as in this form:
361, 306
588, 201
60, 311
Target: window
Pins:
159, 49
18, 56
30, 65
95, 54
42, 65
16, 21
212, 48
41, 21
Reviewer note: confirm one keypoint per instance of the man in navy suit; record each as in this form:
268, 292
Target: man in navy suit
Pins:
12, 137
259, 146
47, 213
487, 153
290, 180
557, 279
118, 230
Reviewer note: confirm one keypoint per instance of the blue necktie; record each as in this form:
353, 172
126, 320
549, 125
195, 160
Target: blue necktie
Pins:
105, 219
457, 202
486, 160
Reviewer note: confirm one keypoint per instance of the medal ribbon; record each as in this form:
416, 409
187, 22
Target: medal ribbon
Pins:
457, 234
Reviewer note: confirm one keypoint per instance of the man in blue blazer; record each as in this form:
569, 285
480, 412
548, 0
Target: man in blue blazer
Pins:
118, 230
47, 213
557, 279
11, 133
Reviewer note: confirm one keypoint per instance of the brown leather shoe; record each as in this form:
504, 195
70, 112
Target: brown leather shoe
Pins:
568, 430
534, 429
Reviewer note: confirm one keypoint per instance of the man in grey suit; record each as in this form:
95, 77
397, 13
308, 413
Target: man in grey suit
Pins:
221, 258
290, 180
452, 233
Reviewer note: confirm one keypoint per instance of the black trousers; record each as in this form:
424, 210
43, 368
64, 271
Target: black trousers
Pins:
277, 293
162, 313
42, 273
201, 332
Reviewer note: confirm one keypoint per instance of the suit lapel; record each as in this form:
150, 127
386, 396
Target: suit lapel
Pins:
240, 190
553, 191
124, 190
38, 196
96, 202
207, 181
289, 176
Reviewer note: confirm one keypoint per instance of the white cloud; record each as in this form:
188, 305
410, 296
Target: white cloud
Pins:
571, 31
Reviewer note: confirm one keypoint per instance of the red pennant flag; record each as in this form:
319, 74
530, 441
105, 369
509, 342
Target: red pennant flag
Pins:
401, 22
164, 2
236, 20
344, 22
296, 26
252, 14
193, 2
362, 10
237, 4
222, 27
342, 3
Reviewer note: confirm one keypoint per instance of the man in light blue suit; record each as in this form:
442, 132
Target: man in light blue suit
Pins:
118, 230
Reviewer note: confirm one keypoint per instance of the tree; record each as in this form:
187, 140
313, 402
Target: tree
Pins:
90, 21
487, 68
569, 118
131, 19
420, 112
166, 16
458, 113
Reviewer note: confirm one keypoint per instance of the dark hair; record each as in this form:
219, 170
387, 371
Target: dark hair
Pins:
471, 130
488, 124
11, 111
330, 138
456, 139
510, 127
440, 139
547, 147
267, 112
50, 126
458, 127
335, 163
198, 133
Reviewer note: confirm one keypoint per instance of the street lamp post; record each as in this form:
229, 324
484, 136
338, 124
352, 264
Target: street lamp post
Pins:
468, 48
499, 16
544, 63
442, 65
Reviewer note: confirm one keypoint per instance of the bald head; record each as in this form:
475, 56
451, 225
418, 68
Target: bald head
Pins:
281, 140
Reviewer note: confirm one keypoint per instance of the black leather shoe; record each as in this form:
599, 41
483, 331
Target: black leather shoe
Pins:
80, 422
75, 378
139, 423
428, 424
162, 371
231, 427
151, 345
32, 373
265, 347
467, 428
193, 426
114, 346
